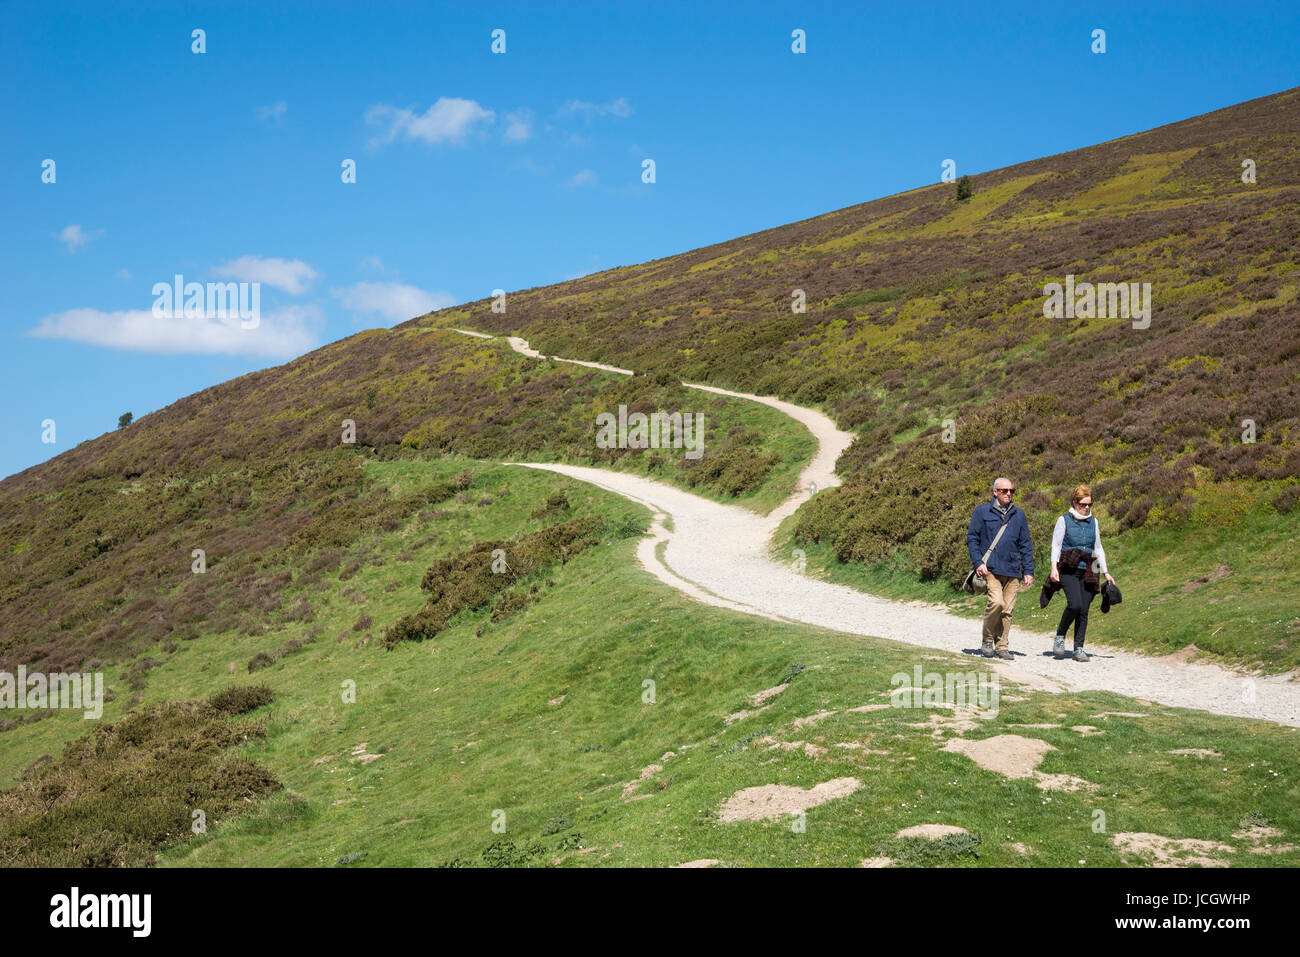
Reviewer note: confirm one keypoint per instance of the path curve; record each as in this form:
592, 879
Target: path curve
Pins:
819, 473
718, 554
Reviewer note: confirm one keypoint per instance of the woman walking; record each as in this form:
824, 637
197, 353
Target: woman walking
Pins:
1077, 559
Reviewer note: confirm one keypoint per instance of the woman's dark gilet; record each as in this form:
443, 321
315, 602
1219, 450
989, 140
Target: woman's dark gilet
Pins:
1079, 533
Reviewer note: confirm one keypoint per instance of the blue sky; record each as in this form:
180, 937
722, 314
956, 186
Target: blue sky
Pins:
477, 171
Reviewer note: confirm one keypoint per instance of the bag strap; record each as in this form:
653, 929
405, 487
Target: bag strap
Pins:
985, 559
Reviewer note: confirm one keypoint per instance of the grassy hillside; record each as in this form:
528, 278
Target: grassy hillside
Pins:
544, 716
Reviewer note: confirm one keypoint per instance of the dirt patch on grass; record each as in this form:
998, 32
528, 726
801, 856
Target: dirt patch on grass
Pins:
1120, 714
1015, 756
808, 748
1062, 782
1198, 752
1182, 655
1219, 573
811, 719
740, 716
931, 830
876, 862
1258, 830
959, 722
757, 699
859, 746
1256, 833
646, 774
702, 862
1162, 851
1010, 755
1019, 848
867, 707
770, 801
1086, 730
359, 754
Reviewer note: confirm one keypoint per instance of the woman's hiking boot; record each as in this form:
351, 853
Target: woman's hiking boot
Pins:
1058, 646
1081, 655
1004, 654
986, 649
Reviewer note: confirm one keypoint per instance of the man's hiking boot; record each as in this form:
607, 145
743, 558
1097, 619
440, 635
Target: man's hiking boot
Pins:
1004, 654
986, 649
1081, 655
1058, 646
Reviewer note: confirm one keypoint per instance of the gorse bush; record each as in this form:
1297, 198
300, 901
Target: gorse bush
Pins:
241, 699
125, 791
472, 579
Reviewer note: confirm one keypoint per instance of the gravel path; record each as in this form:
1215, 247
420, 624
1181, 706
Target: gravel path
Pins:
718, 554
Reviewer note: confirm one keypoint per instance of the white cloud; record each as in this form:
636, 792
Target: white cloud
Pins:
291, 275
584, 177
619, 107
449, 120
279, 334
392, 300
519, 126
74, 237
123, 274
374, 264
275, 112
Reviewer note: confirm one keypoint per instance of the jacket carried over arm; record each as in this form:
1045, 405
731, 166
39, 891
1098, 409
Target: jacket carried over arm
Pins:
1014, 556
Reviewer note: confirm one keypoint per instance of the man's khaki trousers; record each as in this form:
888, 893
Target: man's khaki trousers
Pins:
1002, 600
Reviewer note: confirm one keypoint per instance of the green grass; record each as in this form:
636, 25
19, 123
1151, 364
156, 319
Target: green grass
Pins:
463, 727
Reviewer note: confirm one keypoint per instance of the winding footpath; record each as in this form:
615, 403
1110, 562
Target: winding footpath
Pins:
719, 554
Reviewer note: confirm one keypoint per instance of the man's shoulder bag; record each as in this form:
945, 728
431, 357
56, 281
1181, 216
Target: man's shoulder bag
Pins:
978, 584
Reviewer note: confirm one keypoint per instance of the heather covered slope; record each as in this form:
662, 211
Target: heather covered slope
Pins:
920, 309
96, 545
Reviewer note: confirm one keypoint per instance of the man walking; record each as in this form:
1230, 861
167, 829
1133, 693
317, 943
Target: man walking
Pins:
1009, 562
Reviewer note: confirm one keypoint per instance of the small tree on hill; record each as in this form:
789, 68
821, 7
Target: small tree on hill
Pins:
124, 419
964, 188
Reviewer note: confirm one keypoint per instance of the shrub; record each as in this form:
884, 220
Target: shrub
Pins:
1286, 500
556, 503
122, 792
468, 580
509, 604
241, 699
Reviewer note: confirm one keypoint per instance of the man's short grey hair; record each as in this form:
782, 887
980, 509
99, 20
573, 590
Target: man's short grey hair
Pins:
997, 480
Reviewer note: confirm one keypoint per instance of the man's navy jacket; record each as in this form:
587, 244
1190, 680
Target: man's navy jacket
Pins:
1014, 555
